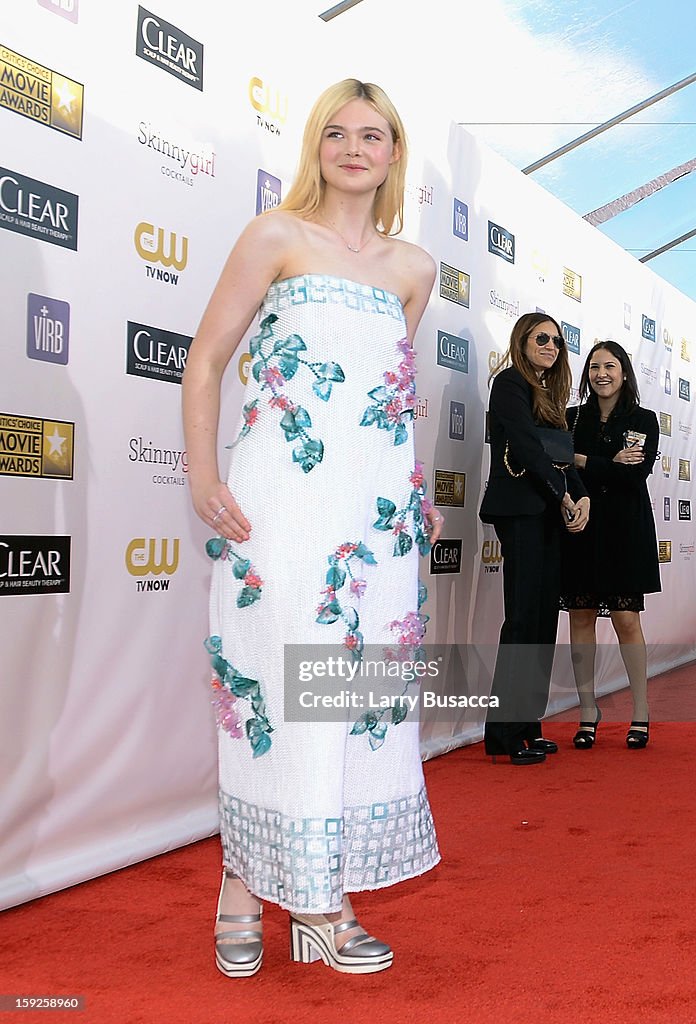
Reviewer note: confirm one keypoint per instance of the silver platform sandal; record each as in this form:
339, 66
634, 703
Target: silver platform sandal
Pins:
362, 954
238, 959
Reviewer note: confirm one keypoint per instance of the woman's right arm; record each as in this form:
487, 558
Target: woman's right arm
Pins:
255, 261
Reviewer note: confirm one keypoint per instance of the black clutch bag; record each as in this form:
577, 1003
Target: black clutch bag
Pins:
558, 445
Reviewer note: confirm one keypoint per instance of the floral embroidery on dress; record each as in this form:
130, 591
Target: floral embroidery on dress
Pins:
226, 676
417, 506
331, 610
220, 548
411, 632
394, 400
272, 370
226, 713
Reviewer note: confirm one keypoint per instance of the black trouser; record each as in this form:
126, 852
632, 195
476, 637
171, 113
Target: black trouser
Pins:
530, 546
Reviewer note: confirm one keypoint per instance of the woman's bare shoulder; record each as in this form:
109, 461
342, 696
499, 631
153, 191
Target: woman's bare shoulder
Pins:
276, 226
414, 258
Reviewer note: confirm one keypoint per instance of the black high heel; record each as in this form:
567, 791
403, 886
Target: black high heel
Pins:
587, 733
638, 735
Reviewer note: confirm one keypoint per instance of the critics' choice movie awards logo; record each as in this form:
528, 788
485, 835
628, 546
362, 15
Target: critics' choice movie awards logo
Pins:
167, 47
685, 470
455, 285
157, 245
66, 8
648, 328
270, 104
152, 557
684, 389
154, 352
666, 509
572, 284
664, 548
34, 565
667, 340
501, 242
666, 377
267, 191
185, 160
449, 488
460, 220
171, 464
453, 352
40, 94
34, 208
666, 424
48, 329
685, 511
666, 466
456, 421
572, 337
32, 446
446, 557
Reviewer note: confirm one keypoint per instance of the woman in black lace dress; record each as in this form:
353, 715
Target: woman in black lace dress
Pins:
609, 568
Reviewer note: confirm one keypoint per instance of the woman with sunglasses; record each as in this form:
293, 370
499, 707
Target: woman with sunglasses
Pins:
608, 571
529, 500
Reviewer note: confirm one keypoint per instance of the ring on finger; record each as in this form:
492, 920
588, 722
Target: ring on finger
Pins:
219, 513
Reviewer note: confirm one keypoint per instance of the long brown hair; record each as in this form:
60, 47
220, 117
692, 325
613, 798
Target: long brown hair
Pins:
307, 191
550, 394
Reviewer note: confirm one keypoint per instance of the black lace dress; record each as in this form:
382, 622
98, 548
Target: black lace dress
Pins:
613, 563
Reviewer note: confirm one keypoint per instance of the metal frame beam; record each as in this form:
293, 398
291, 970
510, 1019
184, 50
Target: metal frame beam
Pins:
594, 132
669, 245
625, 202
333, 12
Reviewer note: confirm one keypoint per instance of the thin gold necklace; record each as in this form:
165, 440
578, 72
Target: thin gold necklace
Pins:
347, 244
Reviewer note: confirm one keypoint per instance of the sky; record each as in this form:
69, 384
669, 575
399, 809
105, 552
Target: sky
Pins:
528, 76
643, 47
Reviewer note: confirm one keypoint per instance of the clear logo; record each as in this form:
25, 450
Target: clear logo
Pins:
501, 242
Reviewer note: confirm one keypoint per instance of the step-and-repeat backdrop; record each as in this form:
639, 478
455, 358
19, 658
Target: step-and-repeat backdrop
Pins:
136, 144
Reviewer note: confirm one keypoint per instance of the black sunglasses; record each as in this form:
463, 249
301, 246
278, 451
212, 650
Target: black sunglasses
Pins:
543, 338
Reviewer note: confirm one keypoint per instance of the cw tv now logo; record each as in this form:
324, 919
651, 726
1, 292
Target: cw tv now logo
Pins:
152, 557
156, 245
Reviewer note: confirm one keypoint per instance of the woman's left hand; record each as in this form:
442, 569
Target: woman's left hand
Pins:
581, 517
630, 456
437, 523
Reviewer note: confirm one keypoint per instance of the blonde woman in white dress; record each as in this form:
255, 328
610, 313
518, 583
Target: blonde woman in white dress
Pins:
317, 531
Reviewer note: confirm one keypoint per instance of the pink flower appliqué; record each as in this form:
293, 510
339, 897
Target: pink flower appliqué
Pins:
226, 714
358, 587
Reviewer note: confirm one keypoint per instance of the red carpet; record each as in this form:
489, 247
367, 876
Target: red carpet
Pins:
566, 893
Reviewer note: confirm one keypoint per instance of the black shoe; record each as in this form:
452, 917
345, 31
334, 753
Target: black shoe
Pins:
545, 746
527, 757
587, 733
638, 735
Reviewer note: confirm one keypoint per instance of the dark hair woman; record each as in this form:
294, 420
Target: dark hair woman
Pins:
614, 564
529, 500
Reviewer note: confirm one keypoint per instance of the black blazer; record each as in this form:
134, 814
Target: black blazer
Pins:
511, 421
617, 554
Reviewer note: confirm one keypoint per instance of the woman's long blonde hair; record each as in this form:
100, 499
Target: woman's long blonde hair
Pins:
550, 395
307, 191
